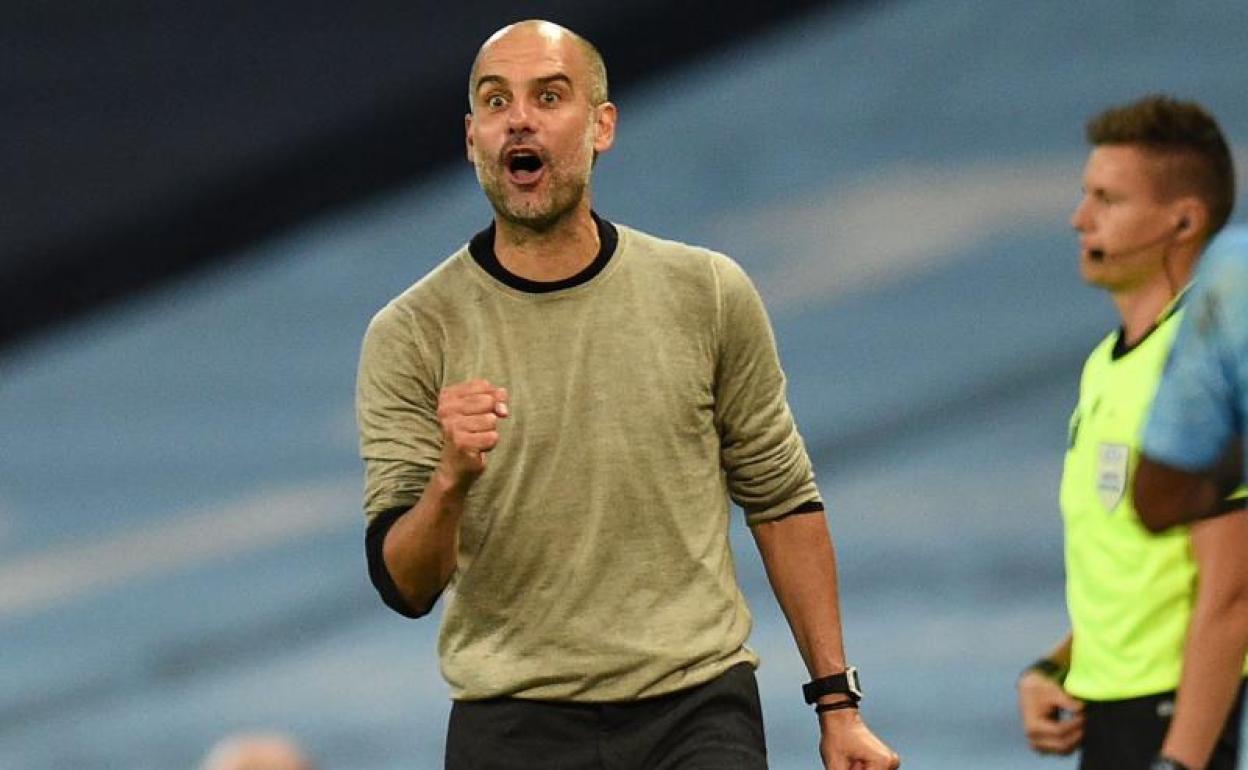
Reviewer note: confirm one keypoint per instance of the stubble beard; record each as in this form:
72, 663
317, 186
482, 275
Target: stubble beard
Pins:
538, 212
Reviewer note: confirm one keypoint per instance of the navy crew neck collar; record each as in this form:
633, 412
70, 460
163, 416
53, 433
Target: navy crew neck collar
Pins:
481, 247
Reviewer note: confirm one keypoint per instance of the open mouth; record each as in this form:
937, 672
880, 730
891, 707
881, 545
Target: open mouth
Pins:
524, 167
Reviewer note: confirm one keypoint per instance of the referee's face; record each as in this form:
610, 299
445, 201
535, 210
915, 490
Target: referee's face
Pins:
1125, 227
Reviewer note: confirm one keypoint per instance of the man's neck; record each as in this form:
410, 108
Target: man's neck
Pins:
1141, 309
560, 251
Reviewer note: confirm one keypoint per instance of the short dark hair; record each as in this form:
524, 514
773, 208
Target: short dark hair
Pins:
1186, 137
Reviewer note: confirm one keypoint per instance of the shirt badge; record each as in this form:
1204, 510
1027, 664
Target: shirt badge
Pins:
1111, 473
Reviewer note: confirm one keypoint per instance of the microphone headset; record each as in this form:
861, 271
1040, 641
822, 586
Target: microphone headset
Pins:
1100, 255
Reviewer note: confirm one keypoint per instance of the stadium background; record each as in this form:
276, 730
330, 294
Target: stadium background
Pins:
205, 202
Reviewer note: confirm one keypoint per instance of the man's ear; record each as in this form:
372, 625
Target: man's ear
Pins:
1191, 218
605, 116
468, 136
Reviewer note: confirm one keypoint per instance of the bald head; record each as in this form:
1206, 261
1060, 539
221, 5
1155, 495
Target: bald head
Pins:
536, 28
259, 751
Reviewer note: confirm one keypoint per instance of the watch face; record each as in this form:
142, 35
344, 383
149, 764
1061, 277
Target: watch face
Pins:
851, 679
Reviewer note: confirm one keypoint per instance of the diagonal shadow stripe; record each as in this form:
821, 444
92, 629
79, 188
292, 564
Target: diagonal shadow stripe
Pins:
866, 443
272, 638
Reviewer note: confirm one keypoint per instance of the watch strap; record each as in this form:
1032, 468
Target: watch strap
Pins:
1049, 668
840, 704
844, 683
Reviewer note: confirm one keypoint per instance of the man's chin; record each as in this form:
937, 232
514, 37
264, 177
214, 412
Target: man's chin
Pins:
534, 218
529, 220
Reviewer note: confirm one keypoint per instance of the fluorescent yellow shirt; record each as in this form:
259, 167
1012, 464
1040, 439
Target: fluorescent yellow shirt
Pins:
1130, 593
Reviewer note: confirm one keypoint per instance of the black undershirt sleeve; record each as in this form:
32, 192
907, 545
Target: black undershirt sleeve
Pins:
374, 539
1229, 505
810, 506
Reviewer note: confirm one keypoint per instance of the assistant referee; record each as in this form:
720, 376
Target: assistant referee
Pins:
1158, 184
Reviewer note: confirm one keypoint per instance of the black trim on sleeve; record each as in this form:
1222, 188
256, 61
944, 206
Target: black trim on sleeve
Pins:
1229, 505
374, 540
810, 506
481, 247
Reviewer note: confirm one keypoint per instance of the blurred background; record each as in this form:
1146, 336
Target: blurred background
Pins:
204, 203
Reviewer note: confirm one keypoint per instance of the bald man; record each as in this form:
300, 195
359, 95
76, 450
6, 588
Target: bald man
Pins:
257, 751
553, 423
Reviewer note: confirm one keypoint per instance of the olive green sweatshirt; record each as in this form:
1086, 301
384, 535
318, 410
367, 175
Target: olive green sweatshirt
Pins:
594, 561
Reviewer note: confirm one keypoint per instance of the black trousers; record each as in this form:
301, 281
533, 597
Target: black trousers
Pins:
715, 726
1127, 734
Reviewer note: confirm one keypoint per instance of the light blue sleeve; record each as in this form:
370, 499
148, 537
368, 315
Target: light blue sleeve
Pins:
1199, 406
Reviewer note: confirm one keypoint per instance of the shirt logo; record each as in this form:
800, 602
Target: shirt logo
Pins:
1111, 473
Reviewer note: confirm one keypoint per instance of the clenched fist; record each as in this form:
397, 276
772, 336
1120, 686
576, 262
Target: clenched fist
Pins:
469, 413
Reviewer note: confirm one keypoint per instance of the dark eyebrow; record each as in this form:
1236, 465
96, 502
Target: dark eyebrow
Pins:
558, 77
497, 79
546, 80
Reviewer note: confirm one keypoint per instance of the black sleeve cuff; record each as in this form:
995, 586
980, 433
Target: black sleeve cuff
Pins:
1229, 505
810, 506
374, 539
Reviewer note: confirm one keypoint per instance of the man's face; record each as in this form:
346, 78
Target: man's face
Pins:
1125, 227
533, 130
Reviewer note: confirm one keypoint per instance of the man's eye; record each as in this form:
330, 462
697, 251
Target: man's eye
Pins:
496, 101
549, 97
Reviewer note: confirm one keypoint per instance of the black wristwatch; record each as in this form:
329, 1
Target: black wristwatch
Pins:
1166, 763
844, 683
1048, 668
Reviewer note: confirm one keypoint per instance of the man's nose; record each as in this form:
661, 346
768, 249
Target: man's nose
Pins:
1079, 217
519, 117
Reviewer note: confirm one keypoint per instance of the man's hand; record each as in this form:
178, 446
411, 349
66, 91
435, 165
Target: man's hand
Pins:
1052, 719
421, 549
847, 744
469, 413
